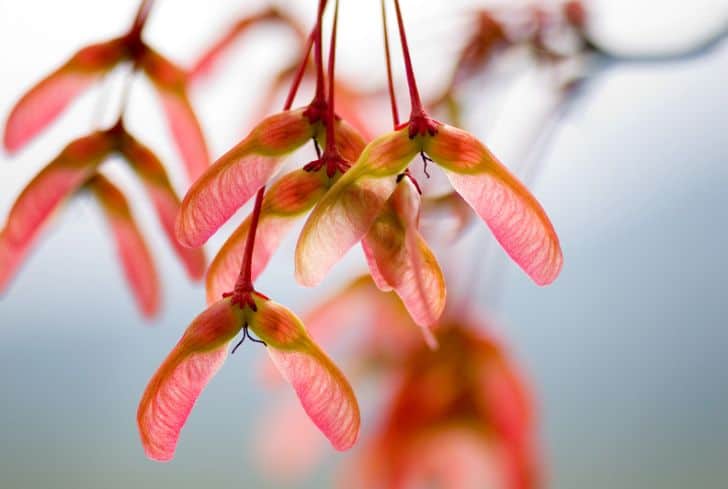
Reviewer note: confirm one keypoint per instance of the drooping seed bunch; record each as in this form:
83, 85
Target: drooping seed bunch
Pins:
357, 190
358, 193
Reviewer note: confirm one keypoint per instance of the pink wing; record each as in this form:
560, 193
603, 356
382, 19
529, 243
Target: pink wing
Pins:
166, 203
46, 100
414, 274
384, 244
324, 392
170, 82
135, 257
422, 288
343, 216
44, 194
400, 259
237, 176
374, 253
515, 217
284, 203
175, 387
338, 222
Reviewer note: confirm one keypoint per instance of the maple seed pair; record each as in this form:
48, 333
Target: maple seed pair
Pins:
322, 389
76, 169
372, 204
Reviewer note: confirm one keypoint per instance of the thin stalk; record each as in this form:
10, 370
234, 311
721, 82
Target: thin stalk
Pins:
140, 19
318, 53
331, 115
390, 80
135, 44
245, 279
415, 100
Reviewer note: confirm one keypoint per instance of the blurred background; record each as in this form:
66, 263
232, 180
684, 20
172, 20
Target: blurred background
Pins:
625, 351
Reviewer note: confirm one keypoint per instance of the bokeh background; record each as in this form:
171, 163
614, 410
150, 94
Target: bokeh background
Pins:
626, 350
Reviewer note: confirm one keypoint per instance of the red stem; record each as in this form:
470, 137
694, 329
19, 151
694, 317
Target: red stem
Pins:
245, 280
390, 80
331, 116
318, 54
416, 102
135, 45
141, 17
